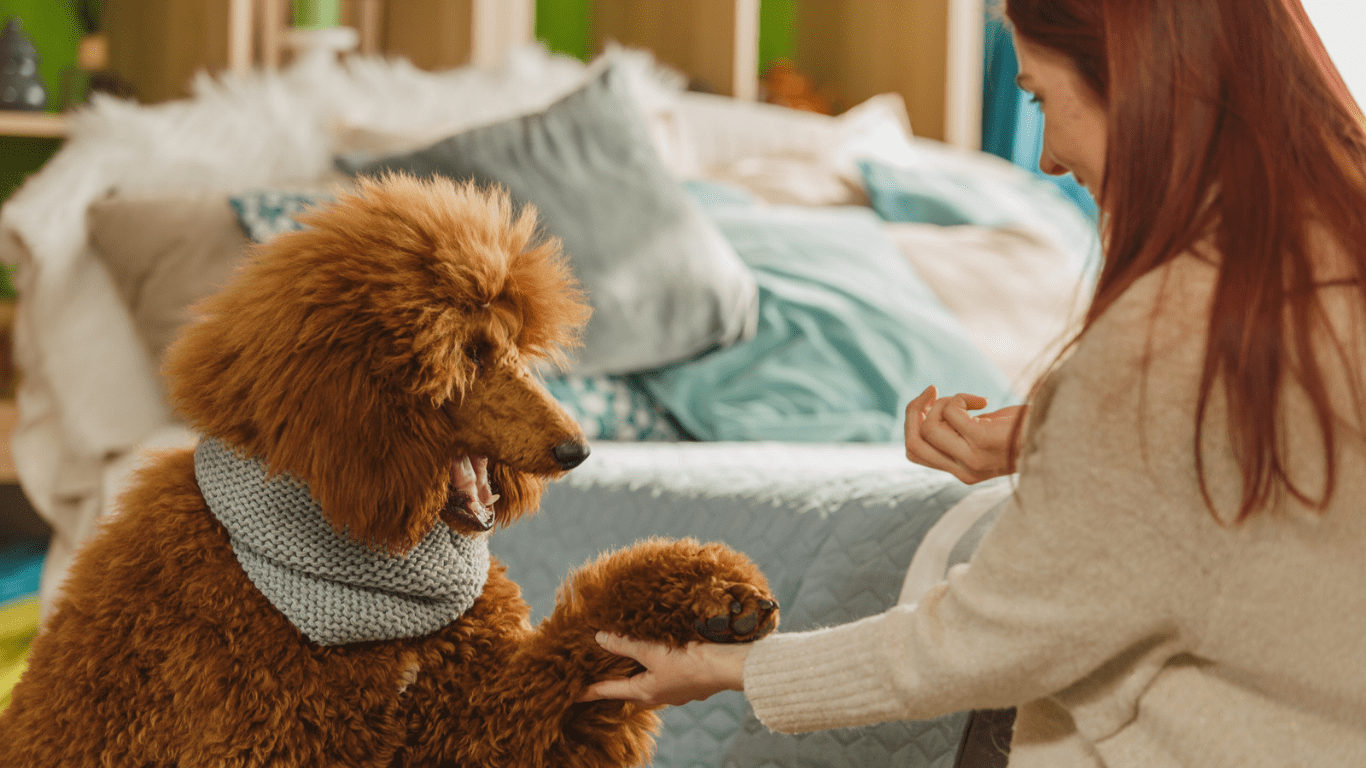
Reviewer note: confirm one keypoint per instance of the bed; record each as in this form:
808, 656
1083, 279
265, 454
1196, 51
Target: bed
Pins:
844, 265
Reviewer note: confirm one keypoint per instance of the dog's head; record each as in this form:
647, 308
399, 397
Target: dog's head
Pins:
384, 355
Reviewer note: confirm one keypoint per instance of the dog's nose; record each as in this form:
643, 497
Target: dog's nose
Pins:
570, 453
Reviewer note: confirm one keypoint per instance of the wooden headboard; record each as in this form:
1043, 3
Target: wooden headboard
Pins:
930, 51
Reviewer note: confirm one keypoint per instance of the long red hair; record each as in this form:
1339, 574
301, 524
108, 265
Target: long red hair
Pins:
1226, 118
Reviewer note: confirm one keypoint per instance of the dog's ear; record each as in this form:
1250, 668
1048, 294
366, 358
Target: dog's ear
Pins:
313, 411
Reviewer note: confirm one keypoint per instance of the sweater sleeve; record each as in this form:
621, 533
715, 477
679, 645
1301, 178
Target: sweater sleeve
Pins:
1089, 581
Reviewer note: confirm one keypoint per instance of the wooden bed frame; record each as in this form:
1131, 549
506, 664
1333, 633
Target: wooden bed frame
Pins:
930, 51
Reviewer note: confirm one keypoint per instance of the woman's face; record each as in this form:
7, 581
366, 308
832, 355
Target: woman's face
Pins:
1074, 119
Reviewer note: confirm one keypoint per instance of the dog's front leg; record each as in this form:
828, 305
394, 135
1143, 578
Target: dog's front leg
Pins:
672, 592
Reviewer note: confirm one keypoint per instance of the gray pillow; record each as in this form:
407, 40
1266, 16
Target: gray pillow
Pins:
664, 283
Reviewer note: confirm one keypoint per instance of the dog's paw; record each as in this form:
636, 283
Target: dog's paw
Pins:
750, 615
674, 592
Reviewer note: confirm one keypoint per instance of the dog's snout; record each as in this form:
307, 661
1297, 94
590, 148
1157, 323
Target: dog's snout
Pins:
570, 453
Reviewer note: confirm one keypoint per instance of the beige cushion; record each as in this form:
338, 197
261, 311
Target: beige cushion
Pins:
1017, 293
790, 157
164, 254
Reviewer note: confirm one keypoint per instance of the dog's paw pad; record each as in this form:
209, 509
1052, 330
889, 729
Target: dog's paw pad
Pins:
748, 617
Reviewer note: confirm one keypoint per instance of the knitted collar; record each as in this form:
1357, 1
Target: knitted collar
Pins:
332, 589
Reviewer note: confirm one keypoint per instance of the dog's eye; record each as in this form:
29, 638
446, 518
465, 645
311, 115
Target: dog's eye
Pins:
477, 354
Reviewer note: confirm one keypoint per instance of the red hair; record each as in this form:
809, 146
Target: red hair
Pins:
1260, 139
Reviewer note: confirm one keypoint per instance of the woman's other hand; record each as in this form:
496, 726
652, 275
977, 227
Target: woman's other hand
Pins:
941, 434
672, 675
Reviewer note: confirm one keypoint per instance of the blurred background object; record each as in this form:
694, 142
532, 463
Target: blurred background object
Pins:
785, 85
20, 86
90, 72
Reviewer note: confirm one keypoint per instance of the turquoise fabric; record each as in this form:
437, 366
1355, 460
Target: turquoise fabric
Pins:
21, 568
710, 193
946, 197
948, 191
848, 334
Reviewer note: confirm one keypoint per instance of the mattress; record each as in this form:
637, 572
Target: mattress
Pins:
833, 526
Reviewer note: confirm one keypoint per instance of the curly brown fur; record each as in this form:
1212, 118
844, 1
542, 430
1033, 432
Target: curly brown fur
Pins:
363, 355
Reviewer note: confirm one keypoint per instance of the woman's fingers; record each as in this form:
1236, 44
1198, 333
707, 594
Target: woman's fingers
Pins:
971, 402
671, 676
610, 689
632, 688
939, 433
942, 434
918, 449
624, 646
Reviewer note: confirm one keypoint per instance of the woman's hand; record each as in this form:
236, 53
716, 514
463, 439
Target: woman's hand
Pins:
672, 675
941, 434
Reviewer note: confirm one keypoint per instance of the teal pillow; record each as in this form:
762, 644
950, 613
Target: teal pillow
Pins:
664, 284
946, 198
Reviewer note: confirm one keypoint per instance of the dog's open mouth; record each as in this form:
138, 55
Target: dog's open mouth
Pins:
471, 498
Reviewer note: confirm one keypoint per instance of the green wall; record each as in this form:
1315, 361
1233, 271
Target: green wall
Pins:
777, 31
563, 26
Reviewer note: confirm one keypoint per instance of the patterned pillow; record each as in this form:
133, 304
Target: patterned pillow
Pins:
267, 213
606, 407
612, 408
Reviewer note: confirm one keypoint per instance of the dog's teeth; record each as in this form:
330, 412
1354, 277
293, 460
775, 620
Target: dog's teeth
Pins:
490, 500
483, 514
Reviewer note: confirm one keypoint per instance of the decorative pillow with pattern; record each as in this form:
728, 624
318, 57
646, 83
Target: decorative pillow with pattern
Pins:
612, 408
267, 213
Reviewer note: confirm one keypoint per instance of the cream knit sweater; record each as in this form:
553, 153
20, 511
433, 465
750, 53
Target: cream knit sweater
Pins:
1129, 626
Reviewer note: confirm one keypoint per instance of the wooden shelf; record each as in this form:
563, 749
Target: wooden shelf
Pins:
16, 123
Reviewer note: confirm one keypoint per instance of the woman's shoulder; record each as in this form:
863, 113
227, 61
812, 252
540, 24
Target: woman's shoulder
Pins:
1163, 314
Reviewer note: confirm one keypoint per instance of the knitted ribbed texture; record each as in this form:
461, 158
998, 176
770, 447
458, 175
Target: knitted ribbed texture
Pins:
783, 670
333, 589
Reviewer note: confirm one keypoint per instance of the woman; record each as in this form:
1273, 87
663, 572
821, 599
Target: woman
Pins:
1142, 602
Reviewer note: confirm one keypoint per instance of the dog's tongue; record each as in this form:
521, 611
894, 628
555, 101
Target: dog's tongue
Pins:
472, 495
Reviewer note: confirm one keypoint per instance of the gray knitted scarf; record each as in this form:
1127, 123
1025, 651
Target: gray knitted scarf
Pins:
332, 589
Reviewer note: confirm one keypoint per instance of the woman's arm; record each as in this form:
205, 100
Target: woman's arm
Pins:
1094, 576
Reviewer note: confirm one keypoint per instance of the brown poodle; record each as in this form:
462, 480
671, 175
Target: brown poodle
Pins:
377, 365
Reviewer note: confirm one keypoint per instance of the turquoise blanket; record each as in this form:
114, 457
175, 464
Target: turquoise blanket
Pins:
848, 334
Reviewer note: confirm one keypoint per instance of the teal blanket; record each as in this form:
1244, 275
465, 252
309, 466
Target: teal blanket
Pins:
848, 334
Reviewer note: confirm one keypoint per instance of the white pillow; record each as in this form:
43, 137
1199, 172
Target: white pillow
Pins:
787, 156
